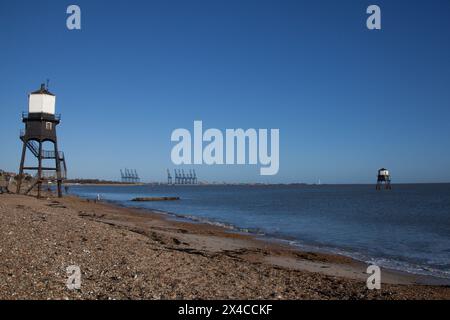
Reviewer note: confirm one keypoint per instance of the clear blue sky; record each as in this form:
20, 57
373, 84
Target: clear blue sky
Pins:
346, 100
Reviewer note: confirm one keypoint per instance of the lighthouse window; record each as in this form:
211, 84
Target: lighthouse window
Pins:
48, 125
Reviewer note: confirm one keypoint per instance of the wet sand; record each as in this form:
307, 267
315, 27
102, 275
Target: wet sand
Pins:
128, 253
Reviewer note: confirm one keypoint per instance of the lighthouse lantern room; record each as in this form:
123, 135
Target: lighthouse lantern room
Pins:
42, 101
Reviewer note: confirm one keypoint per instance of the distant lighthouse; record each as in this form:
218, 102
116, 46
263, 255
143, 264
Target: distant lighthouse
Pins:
384, 177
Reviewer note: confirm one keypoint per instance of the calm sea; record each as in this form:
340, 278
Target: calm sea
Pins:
407, 228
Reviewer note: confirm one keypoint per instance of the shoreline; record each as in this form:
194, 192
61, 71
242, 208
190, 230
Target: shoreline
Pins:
187, 260
404, 276
106, 184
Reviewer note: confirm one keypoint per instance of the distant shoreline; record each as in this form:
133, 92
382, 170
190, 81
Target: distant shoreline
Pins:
244, 184
109, 184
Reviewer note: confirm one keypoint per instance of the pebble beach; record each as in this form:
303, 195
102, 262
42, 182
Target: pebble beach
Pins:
128, 253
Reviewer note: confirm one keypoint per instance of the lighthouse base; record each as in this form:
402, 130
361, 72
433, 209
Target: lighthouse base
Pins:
385, 183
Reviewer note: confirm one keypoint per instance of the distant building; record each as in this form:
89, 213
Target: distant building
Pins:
129, 176
181, 177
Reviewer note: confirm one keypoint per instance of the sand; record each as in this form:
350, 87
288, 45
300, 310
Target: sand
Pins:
137, 254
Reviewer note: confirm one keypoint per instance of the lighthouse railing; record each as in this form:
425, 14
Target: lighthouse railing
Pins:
26, 116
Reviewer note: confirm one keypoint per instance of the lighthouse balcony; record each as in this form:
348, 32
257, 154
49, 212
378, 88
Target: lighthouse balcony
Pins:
27, 116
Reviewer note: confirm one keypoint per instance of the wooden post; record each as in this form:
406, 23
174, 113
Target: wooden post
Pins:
58, 169
39, 170
22, 163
